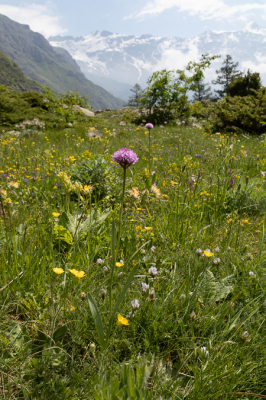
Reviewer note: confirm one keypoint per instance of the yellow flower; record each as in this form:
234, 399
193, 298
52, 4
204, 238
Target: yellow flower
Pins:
58, 271
8, 201
119, 264
173, 183
148, 228
56, 214
245, 221
87, 189
78, 274
121, 320
208, 253
72, 308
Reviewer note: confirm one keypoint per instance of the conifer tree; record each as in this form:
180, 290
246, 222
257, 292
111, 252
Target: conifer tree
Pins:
133, 100
243, 85
226, 74
203, 91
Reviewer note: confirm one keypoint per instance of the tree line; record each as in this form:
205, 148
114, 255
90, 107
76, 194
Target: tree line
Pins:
167, 91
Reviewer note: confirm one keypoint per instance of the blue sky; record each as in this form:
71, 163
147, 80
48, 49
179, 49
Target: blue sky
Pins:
167, 18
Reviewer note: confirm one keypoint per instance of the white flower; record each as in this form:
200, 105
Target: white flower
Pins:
198, 252
120, 274
145, 287
153, 248
100, 261
135, 304
131, 314
251, 273
216, 261
153, 271
217, 249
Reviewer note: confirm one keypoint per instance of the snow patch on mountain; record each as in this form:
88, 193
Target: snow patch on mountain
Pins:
129, 59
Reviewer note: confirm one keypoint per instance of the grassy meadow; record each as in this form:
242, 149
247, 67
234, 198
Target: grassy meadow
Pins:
176, 309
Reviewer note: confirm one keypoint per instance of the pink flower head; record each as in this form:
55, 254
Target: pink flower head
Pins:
125, 157
149, 126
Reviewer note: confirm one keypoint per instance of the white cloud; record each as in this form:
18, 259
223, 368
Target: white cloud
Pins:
176, 58
205, 9
40, 18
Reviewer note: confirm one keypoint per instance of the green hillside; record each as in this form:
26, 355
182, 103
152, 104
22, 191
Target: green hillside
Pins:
43, 63
12, 76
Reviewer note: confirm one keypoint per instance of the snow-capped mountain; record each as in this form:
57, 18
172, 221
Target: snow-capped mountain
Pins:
117, 61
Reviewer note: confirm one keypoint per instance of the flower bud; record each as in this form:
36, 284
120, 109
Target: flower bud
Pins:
152, 294
83, 296
103, 293
92, 348
249, 256
193, 316
217, 261
198, 252
105, 270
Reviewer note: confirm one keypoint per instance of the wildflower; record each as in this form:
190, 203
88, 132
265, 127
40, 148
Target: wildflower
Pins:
105, 271
156, 191
131, 314
100, 261
119, 264
249, 256
229, 171
14, 184
262, 173
77, 186
56, 214
83, 296
78, 274
173, 183
208, 253
3, 192
216, 261
193, 316
72, 308
152, 294
197, 155
87, 189
103, 293
125, 157
135, 304
144, 287
148, 228
251, 273
198, 252
245, 221
134, 192
217, 249
8, 201
121, 320
232, 182
153, 248
153, 271
149, 126
120, 274
58, 271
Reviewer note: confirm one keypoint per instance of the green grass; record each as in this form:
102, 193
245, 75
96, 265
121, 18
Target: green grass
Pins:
203, 336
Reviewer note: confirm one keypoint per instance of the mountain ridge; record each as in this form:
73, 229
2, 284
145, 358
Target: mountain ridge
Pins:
132, 59
45, 64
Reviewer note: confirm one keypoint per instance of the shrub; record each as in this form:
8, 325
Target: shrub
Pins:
239, 114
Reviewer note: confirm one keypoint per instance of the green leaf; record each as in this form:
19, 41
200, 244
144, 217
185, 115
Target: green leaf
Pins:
59, 334
62, 234
97, 320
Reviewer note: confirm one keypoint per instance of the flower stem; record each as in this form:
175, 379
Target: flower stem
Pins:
149, 150
120, 214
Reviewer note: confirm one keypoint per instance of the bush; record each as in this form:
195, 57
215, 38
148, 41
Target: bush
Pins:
239, 114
